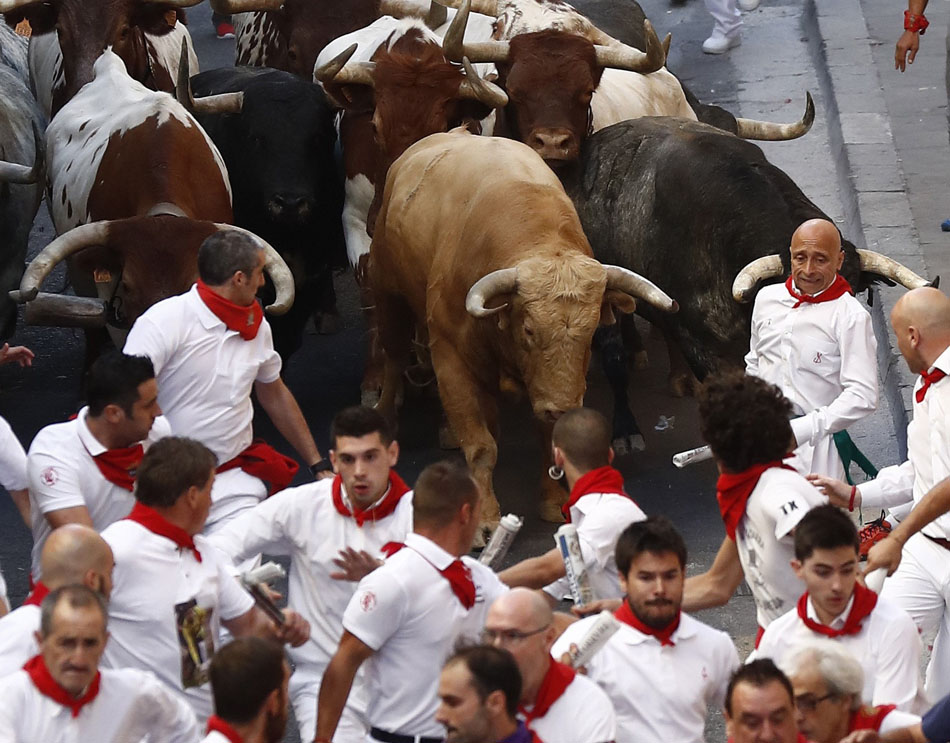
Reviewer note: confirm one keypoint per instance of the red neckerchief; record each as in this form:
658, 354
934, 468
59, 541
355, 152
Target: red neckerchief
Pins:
928, 379
457, 574
118, 466
45, 683
733, 491
218, 725
263, 461
864, 602
39, 592
625, 614
158, 524
555, 682
245, 320
397, 489
839, 287
601, 480
869, 718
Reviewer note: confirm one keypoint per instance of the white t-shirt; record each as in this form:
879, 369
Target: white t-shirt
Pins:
303, 523
166, 609
824, 359
12, 459
764, 539
599, 518
582, 714
63, 474
888, 648
17, 641
131, 706
215, 737
406, 611
660, 693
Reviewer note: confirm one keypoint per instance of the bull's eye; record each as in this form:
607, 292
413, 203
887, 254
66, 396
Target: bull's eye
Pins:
528, 332
292, 54
124, 33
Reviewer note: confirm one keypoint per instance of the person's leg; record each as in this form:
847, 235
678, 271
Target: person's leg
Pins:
726, 31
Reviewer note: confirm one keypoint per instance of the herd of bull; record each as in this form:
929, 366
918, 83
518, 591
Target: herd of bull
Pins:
516, 176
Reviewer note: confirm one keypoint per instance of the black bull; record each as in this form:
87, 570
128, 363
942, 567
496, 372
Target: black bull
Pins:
286, 185
688, 206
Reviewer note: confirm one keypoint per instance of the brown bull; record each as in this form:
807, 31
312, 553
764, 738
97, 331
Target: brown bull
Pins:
494, 261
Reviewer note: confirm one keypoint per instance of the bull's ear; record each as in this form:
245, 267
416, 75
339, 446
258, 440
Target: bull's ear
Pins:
154, 19
41, 17
615, 300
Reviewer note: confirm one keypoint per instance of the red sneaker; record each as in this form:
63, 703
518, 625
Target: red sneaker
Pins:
225, 30
871, 534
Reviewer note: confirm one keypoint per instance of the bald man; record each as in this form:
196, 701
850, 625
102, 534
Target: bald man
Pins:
813, 340
921, 585
557, 704
72, 554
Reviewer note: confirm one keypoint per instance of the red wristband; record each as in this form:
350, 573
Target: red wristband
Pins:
915, 23
854, 492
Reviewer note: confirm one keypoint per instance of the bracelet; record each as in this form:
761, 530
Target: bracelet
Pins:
915, 23
854, 492
324, 465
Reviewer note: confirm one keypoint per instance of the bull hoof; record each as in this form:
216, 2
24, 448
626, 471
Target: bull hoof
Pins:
628, 444
369, 398
551, 512
641, 360
683, 385
447, 438
327, 323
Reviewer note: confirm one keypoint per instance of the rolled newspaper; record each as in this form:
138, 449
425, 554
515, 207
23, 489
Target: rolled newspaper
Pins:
570, 548
501, 540
875, 579
252, 580
594, 639
691, 456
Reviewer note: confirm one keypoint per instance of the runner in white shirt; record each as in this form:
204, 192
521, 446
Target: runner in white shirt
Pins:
13, 480
921, 585
249, 679
827, 680
210, 347
879, 634
557, 704
172, 589
760, 705
814, 341
73, 554
364, 507
61, 696
663, 669
82, 471
745, 421
598, 507
406, 616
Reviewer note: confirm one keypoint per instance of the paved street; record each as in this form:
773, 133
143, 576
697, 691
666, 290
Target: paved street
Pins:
876, 161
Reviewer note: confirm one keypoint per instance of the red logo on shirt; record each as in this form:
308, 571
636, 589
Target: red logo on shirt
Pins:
368, 601
817, 359
49, 476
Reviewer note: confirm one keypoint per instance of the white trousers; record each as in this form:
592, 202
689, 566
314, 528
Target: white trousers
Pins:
726, 15
304, 688
921, 586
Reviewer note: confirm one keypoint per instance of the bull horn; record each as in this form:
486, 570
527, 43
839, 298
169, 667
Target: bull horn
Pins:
223, 103
338, 71
455, 48
275, 267
481, 90
625, 280
770, 131
503, 281
668, 39
230, 7
482, 7
95, 233
436, 16
13, 173
624, 57
766, 267
873, 262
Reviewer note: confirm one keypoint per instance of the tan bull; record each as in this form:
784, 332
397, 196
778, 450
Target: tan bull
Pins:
477, 239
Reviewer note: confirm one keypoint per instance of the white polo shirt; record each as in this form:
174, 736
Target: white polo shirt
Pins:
406, 611
17, 642
582, 714
928, 454
824, 359
764, 539
599, 518
131, 706
12, 459
166, 609
303, 523
63, 474
660, 694
215, 737
888, 648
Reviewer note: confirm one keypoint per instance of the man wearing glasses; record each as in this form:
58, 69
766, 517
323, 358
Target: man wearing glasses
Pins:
559, 705
662, 669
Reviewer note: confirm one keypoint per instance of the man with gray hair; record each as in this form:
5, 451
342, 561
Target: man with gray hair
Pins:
62, 695
210, 348
828, 682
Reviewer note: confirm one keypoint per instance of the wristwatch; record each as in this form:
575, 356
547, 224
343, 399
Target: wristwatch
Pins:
324, 465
